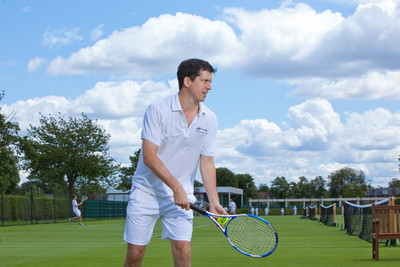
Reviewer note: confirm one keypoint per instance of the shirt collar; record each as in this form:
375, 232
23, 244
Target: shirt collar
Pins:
176, 105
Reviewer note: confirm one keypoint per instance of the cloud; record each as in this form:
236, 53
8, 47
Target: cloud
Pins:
97, 32
283, 38
344, 57
154, 48
315, 141
35, 64
27, 9
370, 86
60, 37
118, 106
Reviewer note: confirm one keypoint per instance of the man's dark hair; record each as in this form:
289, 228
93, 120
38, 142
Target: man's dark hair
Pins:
191, 68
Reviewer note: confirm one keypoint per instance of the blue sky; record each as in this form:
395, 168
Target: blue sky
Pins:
303, 88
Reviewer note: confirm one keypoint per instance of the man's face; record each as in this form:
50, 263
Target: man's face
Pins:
200, 86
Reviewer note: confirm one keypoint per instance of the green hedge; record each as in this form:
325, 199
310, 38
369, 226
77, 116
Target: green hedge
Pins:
16, 208
271, 211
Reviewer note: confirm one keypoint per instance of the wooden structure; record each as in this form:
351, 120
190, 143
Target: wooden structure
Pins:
385, 225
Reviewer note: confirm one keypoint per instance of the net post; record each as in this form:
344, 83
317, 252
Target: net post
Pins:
334, 213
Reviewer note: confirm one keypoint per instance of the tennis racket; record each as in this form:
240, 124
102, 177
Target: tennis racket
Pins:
84, 198
248, 234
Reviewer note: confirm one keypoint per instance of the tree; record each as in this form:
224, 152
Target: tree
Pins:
263, 188
347, 182
279, 188
318, 187
226, 178
246, 182
9, 176
395, 183
128, 172
68, 152
303, 189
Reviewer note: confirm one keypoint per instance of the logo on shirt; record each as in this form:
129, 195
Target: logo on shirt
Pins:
201, 130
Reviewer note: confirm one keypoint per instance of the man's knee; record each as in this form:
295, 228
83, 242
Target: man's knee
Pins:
134, 255
181, 251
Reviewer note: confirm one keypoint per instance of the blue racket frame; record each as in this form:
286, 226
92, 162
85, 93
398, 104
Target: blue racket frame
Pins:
225, 228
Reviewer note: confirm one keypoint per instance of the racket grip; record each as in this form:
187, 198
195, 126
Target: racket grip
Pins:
198, 209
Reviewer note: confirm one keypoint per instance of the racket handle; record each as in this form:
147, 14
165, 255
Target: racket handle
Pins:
198, 209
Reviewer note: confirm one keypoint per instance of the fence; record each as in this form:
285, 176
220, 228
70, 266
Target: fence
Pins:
104, 209
34, 207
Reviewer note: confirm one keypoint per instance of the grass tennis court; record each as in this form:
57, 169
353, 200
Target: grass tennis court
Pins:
99, 243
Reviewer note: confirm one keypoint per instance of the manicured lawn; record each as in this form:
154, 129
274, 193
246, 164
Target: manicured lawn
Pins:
99, 243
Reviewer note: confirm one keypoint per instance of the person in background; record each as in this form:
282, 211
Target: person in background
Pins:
232, 206
266, 210
75, 209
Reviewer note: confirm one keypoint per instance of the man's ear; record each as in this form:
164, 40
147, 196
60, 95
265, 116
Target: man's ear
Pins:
186, 81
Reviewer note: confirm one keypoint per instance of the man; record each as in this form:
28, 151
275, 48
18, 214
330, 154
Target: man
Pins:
232, 206
178, 137
76, 210
266, 210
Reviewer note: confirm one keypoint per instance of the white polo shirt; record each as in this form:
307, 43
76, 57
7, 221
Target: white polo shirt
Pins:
180, 146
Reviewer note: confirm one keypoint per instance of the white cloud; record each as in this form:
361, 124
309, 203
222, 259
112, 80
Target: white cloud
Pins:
330, 55
286, 34
315, 142
27, 9
118, 107
35, 64
370, 86
96, 33
154, 48
121, 99
60, 37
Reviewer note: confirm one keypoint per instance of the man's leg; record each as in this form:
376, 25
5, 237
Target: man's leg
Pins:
134, 255
181, 252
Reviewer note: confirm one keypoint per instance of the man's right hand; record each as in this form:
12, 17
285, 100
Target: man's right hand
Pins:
180, 198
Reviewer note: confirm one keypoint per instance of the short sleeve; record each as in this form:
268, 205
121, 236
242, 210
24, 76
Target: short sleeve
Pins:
152, 125
210, 144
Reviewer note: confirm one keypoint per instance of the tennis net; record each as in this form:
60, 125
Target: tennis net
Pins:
358, 219
328, 215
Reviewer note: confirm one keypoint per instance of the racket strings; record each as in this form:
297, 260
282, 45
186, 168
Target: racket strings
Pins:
251, 235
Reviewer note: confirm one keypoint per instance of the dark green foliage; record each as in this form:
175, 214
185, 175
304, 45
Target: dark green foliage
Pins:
347, 182
225, 177
18, 208
69, 152
279, 188
126, 173
9, 177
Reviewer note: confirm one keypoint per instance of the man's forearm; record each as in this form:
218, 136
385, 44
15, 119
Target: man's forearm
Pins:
208, 175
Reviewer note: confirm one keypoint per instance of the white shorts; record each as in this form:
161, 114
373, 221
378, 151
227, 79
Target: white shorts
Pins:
143, 212
77, 212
